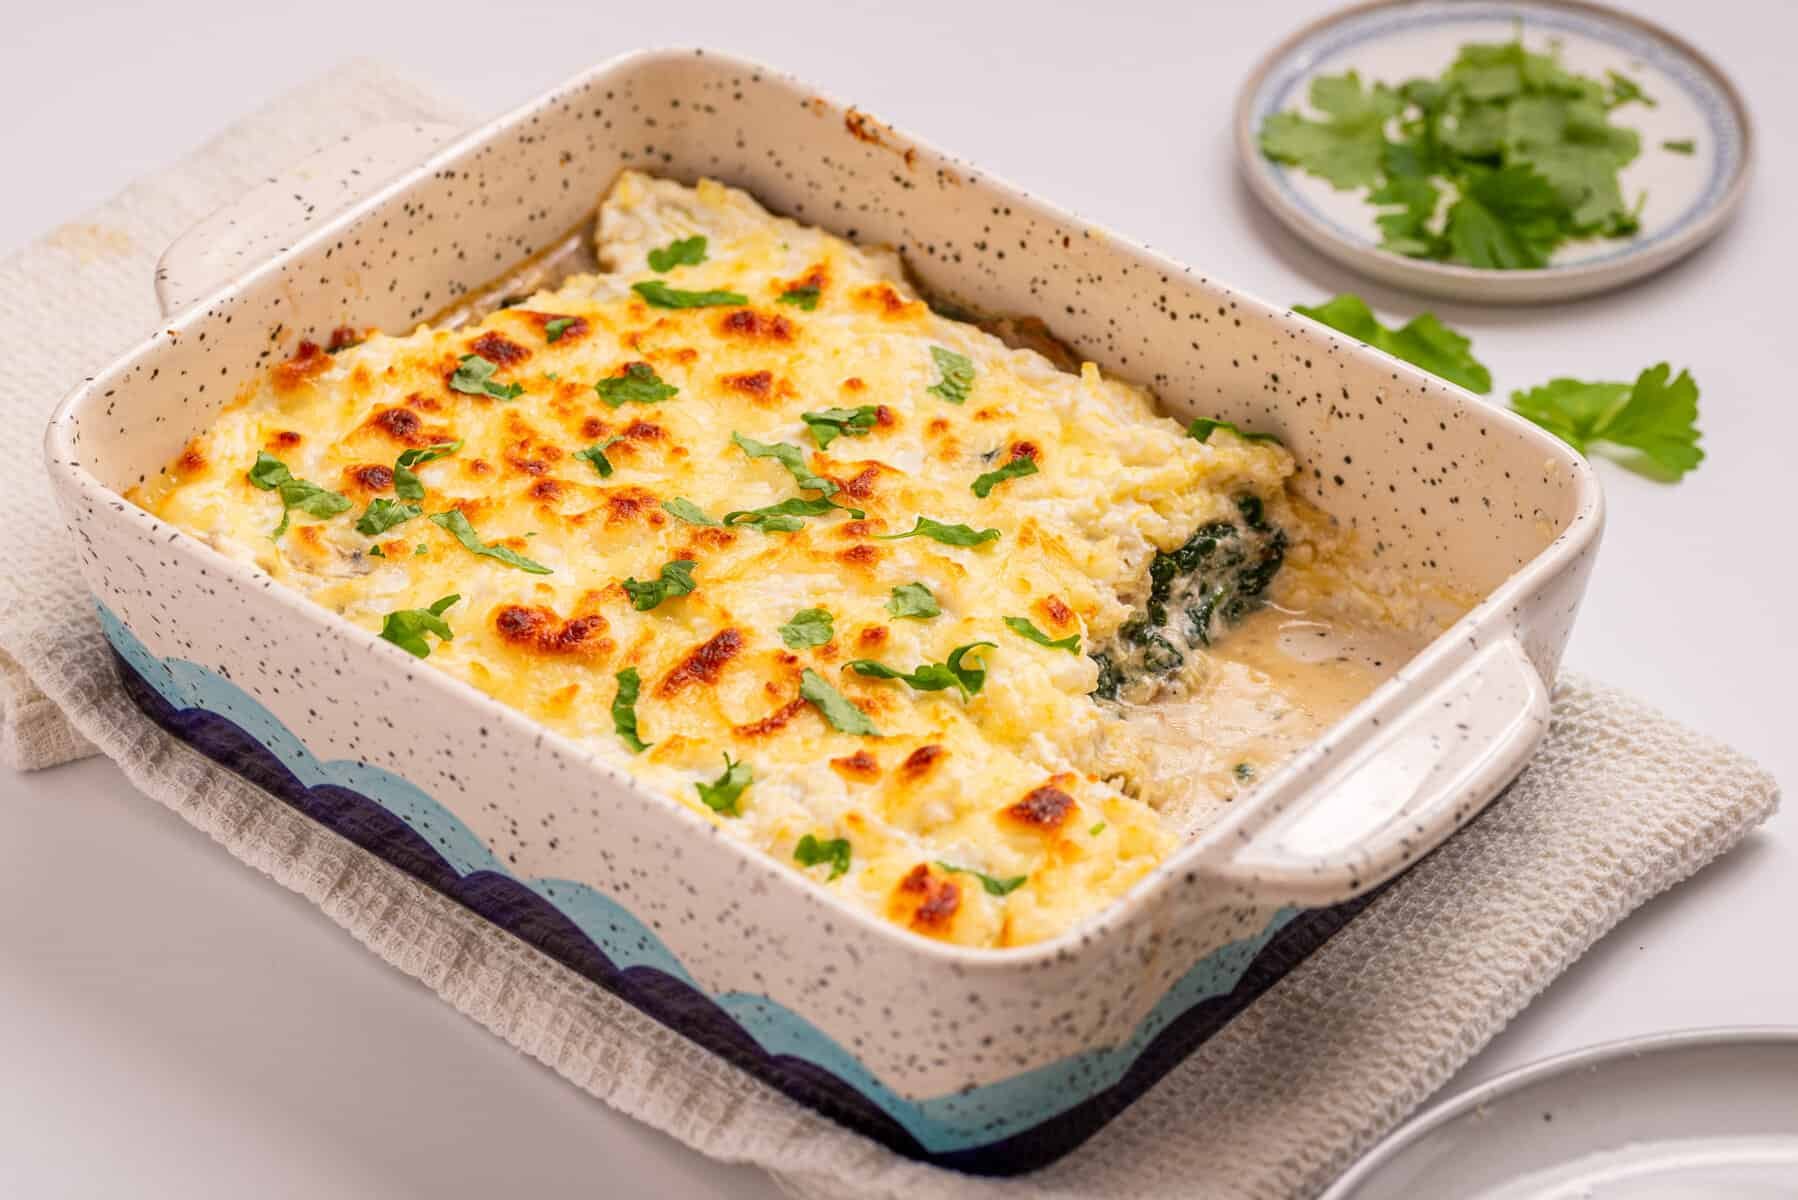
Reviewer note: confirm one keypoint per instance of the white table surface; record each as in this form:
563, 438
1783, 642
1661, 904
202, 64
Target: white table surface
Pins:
173, 1024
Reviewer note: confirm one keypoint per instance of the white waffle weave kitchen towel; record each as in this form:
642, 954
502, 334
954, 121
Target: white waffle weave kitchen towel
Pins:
1619, 804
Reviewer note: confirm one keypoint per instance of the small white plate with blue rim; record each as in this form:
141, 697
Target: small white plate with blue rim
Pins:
1711, 1113
1685, 198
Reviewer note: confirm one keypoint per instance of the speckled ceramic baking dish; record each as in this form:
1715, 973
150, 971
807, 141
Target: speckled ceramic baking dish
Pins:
992, 1061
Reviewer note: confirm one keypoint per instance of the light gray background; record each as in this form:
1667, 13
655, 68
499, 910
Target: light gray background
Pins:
172, 1024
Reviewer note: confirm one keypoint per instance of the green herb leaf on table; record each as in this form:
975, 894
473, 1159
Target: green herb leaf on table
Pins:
1680, 146
270, 474
1202, 428
676, 579
805, 297
810, 852
406, 483
1017, 468
831, 423
949, 535
1656, 417
383, 514
457, 524
624, 710
955, 375
659, 295
835, 707
723, 793
1422, 341
808, 627
1025, 628
407, 627
994, 886
913, 600
637, 384
475, 378
595, 456
682, 252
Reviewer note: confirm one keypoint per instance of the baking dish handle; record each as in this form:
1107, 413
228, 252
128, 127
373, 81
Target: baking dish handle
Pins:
272, 216
1354, 823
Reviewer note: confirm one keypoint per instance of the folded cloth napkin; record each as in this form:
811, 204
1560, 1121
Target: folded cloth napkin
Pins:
1619, 804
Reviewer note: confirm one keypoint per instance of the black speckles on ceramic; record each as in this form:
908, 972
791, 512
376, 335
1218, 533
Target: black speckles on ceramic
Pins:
1432, 481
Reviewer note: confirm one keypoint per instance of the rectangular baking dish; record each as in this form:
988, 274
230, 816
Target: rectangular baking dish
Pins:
988, 1061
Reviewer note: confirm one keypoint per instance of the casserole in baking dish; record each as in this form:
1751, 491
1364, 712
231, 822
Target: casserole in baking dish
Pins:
993, 1060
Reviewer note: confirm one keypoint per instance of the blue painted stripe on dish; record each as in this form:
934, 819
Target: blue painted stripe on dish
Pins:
941, 1124
1278, 92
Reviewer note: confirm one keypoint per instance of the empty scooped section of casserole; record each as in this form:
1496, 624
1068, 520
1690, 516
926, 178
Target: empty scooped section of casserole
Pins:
853, 581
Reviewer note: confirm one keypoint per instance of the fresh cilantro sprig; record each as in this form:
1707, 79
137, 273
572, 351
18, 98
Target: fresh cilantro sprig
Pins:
475, 378
407, 627
1423, 341
811, 852
1494, 164
835, 707
955, 672
1025, 628
1656, 417
994, 885
809, 627
456, 523
723, 793
624, 710
682, 252
638, 383
675, 579
829, 424
659, 295
270, 474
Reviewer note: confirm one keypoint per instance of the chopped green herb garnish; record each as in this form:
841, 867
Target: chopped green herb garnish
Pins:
676, 579
639, 384
722, 794
1096, 830
270, 474
832, 423
1202, 428
553, 330
407, 627
683, 252
596, 455
1026, 628
376, 552
812, 853
956, 375
789, 456
1243, 771
1422, 341
1494, 164
932, 677
660, 295
913, 600
406, 483
1017, 468
995, 887
1655, 417
475, 377
420, 550
684, 509
949, 535
624, 710
1680, 146
809, 627
457, 524
383, 514
805, 297
784, 517
835, 707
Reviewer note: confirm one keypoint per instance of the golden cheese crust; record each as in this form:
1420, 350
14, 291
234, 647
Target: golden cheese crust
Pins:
989, 818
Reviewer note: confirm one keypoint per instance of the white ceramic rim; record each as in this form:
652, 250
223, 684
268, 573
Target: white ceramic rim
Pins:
1392, 699
1477, 284
1421, 1127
